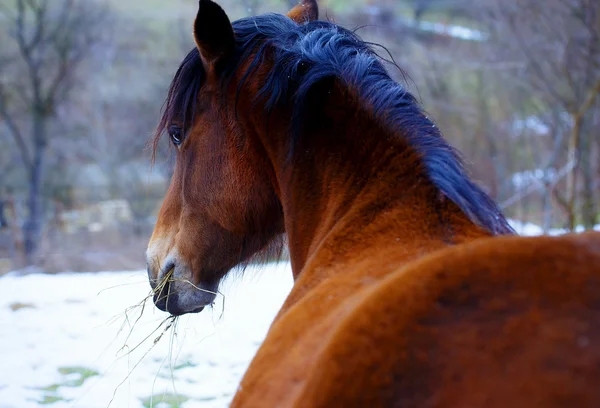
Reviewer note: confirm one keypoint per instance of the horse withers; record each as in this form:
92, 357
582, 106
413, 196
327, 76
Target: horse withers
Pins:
411, 289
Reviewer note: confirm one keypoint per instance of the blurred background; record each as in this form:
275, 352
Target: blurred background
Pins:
514, 84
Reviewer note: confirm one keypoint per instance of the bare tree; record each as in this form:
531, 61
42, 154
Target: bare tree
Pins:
47, 42
559, 42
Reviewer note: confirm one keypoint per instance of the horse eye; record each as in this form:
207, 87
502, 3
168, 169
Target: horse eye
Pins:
176, 135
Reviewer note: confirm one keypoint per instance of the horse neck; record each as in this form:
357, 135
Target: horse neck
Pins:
349, 187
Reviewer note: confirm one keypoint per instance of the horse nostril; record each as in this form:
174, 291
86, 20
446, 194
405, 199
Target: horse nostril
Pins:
160, 279
161, 296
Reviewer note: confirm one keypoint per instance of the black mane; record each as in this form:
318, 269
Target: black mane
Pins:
303, 56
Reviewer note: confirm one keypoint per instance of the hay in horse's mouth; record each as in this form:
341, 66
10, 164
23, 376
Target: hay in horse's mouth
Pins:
163, 281
176, 296
162, 289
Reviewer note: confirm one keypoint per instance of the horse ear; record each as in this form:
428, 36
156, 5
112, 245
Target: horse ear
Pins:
305, 11
213, 32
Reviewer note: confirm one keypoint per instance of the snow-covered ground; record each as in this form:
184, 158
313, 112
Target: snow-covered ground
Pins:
529, 229
60, 342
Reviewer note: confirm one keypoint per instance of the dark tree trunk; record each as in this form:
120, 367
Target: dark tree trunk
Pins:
33, 224
3, 222
588, 202
573, 179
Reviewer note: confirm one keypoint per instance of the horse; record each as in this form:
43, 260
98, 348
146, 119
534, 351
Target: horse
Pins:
410, 287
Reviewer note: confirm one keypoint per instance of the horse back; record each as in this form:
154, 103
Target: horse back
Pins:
498, 322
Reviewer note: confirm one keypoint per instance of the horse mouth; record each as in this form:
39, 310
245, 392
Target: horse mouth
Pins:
181, 297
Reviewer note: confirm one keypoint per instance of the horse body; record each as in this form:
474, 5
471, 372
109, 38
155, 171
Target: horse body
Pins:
485, 324
404, 294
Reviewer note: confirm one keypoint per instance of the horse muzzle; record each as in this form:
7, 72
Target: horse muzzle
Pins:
176, 294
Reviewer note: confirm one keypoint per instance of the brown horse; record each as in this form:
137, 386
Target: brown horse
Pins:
410, 288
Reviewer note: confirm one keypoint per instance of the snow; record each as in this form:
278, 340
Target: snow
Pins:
531, 123
71, 322
526, 178
530, 229
452, 30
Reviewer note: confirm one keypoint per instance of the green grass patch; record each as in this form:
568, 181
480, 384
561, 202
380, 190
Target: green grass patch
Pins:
187, 364
51, 399
80, 373
167, 400
75, 377
50, 388
168, 371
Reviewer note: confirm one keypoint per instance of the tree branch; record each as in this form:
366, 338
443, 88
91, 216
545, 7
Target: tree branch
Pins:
590, 98
14, 130
26, 47
538, 186
533, 60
